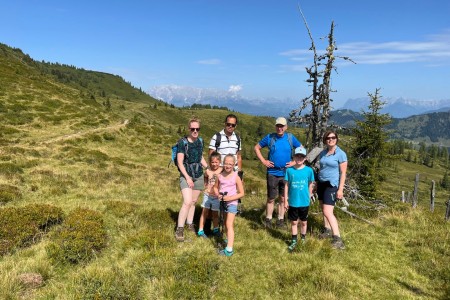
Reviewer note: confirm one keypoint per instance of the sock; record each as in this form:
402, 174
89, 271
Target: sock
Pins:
229, 249
303, 236
294, 237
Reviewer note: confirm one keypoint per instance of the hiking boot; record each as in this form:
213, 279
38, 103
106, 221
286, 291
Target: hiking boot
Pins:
268, 223
191, 227
292, 245
326, 233
202, 234
179, 234
337, 243
280, 223
225, 252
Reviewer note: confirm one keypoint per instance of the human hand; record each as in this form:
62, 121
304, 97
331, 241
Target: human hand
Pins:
268, 163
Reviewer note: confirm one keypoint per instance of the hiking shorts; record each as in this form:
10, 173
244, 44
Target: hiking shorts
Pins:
327, 193
275, 186
199, 183
296, 213
211, 203
231, 209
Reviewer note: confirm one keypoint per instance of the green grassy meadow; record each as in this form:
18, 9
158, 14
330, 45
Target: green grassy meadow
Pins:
89, 205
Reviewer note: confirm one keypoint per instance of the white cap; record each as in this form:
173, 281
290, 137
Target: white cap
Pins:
300, 150
281, 121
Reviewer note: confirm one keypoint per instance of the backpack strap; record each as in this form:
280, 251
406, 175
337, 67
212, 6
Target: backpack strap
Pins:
273, 139
218, 140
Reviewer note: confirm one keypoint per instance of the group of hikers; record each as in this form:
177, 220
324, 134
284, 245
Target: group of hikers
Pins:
288, 178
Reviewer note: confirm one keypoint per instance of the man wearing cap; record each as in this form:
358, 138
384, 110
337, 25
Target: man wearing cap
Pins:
280, 145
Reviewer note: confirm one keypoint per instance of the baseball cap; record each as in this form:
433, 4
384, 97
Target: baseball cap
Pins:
300, 150
281, 121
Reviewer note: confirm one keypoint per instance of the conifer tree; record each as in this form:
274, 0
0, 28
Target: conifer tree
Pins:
370, 148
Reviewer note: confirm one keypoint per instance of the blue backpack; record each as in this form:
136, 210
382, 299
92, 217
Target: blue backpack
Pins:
175, 150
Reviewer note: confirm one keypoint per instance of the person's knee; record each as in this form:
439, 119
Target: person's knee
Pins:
270, 201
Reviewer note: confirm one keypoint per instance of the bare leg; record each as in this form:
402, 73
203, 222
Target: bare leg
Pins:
331, 219
269, 208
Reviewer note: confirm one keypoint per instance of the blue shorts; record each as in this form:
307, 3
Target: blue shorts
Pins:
327, 193
211, 203
232, 208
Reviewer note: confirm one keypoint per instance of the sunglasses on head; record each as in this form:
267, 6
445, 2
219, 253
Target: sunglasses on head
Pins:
230, 125
194, 129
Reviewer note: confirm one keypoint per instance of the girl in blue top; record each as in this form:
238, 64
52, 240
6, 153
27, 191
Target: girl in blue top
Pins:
332, 174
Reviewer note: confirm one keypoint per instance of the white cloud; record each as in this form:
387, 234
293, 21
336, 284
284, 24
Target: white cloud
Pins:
235, 88
434, 50
212, 61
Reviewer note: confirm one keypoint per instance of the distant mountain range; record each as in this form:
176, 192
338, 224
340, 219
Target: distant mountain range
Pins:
186, 96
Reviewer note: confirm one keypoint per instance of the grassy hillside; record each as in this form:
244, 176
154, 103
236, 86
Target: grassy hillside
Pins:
89, 205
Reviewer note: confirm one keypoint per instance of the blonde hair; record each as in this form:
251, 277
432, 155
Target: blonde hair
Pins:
193, 120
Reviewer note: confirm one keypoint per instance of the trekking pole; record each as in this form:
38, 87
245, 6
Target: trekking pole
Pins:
222, 211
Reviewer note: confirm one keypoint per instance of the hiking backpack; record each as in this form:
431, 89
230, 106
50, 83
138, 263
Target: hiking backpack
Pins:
186, 147
272, 143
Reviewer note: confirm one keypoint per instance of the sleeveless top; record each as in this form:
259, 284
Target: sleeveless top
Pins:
229, 186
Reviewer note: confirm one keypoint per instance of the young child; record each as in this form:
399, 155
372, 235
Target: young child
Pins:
210, 199
299, 182
229, 182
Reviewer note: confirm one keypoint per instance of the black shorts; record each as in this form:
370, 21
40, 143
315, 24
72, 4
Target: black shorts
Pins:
275, 186
295, 213
326, 192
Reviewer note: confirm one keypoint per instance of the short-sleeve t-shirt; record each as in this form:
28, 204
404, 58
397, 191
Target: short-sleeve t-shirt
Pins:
329, 165
193, 157
298, 182
280, 153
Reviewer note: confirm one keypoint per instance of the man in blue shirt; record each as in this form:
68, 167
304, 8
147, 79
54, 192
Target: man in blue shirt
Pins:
280, 145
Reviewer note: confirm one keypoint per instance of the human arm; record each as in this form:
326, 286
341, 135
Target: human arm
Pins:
239, 160
183, 171
286, 194
342, 177
264, 161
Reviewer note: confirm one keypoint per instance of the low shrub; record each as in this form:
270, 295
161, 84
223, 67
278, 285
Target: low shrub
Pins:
10, 169
9, 193
19, 226
80, 238
156, 219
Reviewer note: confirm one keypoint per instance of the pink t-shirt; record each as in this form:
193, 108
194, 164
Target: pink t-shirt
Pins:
229, 186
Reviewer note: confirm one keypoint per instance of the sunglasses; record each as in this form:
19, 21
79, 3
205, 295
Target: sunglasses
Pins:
194, 129
230, 125
330, 138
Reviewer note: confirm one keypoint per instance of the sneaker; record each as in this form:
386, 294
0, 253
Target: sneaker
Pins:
303, 240
280, 223
337, 243
225, 252
326, 233
292, 245
191, 227
268, 223
216, 232
202, 234
179, 234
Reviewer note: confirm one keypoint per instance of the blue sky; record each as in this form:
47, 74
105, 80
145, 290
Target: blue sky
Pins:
255, 48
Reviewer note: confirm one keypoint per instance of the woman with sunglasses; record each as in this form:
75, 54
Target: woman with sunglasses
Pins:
190, 164
332, 174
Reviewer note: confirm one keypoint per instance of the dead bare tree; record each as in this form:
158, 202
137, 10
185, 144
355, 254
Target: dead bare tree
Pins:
317, 104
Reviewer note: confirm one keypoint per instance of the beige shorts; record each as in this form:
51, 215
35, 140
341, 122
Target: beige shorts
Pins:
199, 183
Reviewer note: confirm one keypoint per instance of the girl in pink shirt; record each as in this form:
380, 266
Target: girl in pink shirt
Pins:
229, 182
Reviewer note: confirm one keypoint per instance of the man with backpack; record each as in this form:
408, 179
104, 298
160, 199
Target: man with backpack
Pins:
281, 145
228, 142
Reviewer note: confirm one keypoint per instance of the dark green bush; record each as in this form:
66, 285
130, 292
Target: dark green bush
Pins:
20, 226
9, 193
80, 238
